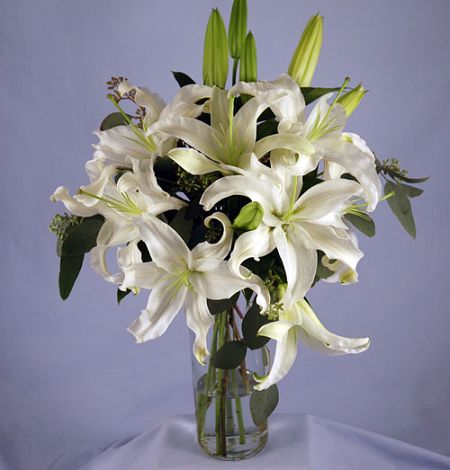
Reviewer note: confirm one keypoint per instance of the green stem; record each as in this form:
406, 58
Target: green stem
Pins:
221, 443
239, 414
235, 67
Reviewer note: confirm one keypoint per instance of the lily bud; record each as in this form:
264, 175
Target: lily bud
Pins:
248, 67
250, 217
237, 28
352, 98
215, 56
304, 61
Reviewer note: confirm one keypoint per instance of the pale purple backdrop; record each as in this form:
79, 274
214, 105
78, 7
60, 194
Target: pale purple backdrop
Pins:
72, 380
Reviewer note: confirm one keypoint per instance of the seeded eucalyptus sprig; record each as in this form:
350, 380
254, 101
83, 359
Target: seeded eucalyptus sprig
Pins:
395, 178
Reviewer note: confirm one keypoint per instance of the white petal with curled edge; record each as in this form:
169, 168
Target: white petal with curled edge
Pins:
220, 249
324, 198
285, 354
356, 162
122, 141
335, 247
291, 142
164, 302
299, 261
195, 133
219, 283
185, 102
199, 320
283, 96
72, 205
252, 244
256, 189
166, 247
317, 337
144, 275
192, 161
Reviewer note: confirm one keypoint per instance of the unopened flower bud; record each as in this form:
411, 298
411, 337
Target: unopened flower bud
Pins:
304, 61
237, 28
250, 217
215, 56
248, 68
351, 99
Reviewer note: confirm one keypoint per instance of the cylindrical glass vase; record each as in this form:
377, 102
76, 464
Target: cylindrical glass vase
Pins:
225, 426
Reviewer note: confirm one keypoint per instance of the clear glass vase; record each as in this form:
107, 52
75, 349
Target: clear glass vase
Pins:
225, 427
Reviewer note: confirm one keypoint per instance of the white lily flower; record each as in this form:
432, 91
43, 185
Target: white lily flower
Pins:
300, 322
322, 130
123, 144
222, 144
121, 203
296, 226
178, 276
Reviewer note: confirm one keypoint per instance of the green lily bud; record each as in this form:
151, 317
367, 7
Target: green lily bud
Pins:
352, 98
215, 56
237, 28
249, 217
304, 61
248, 68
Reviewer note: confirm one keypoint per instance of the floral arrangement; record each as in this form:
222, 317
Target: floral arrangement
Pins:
256, 189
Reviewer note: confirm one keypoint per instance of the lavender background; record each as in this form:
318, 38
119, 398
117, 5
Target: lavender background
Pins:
71, 378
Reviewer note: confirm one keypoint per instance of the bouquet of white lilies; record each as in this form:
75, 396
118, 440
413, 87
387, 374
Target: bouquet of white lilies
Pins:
227, 191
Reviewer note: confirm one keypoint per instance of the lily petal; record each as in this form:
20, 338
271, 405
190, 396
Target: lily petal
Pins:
166, 247
193, 162
164, 303
72, 205
324, 198
285, 354
299, 261
199, 320
317, 337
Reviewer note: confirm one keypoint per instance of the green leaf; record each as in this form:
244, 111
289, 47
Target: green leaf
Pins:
219, 306
182, 225
83, 237
69, 268
183, 79
411, 191
412, 180
252, 322
401, 207
365, 224
266, 128
121, 294
312, 93
263, 403
230, 355
113, 120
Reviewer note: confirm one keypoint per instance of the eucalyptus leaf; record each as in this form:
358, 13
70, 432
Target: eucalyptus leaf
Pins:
401, 207
230, 355
263, 403
69, 268
83, 237
183, 79
266, 128
252, 322
411, 191
182, 225
365, 224
219, 306
121, 294
412, 180
113, 120
312, 93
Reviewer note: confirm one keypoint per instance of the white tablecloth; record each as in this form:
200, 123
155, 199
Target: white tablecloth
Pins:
295, 442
